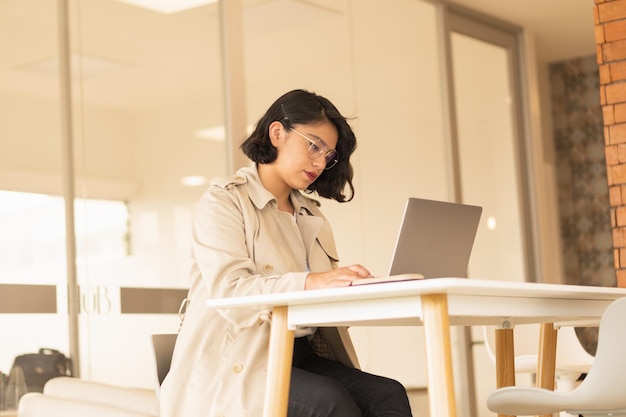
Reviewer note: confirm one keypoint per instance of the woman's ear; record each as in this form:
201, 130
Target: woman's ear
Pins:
275, 130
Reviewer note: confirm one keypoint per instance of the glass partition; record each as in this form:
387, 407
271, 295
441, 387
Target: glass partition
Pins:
489, 156
149, 132
32, 232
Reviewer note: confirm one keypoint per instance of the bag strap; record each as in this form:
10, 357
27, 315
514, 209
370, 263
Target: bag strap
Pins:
49, 351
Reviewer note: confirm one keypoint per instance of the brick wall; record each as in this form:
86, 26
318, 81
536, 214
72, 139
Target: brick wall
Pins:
610, 32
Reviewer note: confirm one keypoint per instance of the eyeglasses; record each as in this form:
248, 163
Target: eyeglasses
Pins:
315, 151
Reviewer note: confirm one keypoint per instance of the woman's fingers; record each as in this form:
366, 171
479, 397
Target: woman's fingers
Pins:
360, 270
340, 277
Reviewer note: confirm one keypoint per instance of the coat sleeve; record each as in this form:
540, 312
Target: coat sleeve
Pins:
223, 263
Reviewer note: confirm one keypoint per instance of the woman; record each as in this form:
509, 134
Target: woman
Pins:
257, 233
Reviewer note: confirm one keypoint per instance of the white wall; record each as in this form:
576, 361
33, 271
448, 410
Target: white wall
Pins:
401, 153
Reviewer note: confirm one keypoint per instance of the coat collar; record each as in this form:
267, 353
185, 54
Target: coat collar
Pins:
310, 221
260, 197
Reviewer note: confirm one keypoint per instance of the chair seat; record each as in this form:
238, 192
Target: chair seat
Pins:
527, 401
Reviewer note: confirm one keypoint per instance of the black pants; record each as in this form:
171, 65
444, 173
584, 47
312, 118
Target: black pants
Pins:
324, 388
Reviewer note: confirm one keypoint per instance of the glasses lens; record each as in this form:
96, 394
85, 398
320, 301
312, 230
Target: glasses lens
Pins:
331, 159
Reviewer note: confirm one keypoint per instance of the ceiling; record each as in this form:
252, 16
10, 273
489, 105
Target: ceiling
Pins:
562, 29
134, 49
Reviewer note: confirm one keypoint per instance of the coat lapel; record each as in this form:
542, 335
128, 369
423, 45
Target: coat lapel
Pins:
310, 227
313, 227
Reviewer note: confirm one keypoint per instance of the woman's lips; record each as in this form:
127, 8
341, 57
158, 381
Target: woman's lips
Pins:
312, 175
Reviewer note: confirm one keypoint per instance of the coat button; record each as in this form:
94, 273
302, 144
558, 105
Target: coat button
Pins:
238, 367
268, 269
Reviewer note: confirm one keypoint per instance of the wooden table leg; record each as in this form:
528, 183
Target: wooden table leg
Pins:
505, 359
547, 358
279, 365
439, 355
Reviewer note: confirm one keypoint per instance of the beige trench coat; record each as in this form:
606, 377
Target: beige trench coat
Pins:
242, 245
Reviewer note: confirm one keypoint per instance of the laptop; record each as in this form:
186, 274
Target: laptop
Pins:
435, 240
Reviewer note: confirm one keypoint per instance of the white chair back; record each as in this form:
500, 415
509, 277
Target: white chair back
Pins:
601, 393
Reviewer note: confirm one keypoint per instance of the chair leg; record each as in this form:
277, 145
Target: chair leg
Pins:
566, 382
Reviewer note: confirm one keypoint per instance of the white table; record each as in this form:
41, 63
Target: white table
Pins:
435, 304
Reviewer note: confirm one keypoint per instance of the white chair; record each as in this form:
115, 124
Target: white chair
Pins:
73, 397
601, 393
572, 360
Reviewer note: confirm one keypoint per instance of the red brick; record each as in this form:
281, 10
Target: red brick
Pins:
615, 258
617, 71
617, 133
599, 56
599, 34
615, 199
618, 177
602, 95
614, 51
613, 10
608, 115
620, 216
596, 18
619, 113
621, 153
618, 238
613, 31
622, 258
612, 216
615, 93
605, 73
611, 155
621, 278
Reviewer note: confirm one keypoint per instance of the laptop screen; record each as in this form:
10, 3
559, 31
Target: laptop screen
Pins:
435, 239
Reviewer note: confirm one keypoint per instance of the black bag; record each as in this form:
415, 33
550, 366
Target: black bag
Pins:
40, 367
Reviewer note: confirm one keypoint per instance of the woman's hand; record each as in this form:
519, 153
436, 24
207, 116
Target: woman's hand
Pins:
340, 277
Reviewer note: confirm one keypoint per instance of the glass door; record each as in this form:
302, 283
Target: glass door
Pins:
490, 169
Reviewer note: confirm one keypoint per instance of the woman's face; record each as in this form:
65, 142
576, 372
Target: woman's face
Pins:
302, 151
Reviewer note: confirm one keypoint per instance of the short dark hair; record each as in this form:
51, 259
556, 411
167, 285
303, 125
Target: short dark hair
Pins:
304, 107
